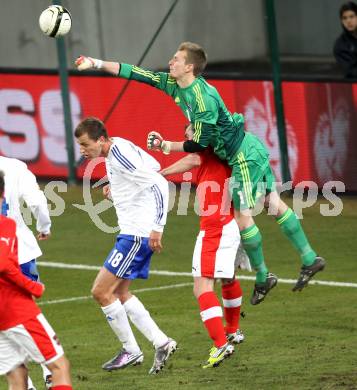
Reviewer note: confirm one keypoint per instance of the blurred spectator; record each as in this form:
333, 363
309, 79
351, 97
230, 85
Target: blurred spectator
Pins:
345, 49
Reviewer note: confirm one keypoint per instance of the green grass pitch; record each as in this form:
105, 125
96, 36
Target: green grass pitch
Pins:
304, 340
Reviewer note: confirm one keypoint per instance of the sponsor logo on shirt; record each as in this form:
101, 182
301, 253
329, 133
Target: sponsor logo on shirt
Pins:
56, 340
7, 240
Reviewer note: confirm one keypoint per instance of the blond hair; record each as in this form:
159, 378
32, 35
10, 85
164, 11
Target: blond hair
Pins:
195, 55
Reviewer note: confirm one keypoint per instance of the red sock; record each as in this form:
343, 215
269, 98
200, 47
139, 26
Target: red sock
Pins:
211, 314
232, 300
62, 387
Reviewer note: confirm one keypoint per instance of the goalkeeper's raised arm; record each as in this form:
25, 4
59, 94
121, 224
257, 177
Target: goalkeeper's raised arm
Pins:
160, 80
86, 63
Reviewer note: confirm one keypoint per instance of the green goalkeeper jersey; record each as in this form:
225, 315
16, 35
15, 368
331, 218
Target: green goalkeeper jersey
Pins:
202, 105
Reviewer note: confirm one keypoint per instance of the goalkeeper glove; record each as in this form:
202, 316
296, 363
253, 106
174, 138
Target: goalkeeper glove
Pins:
84, 63
156, 142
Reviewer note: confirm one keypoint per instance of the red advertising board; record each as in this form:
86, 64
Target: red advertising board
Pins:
330, 128
320, 121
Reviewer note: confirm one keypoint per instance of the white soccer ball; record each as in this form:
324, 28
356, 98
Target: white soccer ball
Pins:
55, 21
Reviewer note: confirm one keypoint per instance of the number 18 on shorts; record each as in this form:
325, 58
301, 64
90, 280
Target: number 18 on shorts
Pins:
130, 257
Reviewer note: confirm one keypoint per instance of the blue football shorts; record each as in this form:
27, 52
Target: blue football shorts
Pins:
29, 269
130, 257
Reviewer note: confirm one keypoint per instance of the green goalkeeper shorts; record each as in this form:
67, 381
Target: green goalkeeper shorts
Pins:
252, 176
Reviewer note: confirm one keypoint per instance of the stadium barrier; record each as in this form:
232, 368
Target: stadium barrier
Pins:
320, 121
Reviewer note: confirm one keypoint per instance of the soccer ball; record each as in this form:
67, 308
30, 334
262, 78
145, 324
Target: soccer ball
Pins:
55, 21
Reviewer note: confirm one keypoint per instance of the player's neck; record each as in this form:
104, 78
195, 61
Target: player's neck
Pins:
186, 80
106, 147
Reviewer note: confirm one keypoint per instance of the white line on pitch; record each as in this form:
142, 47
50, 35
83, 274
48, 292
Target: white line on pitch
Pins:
170, 273
140, 290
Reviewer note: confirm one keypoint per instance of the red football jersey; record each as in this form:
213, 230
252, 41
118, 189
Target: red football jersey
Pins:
213, 191
16, 290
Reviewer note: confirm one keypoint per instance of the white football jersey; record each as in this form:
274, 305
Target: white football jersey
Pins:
21, 184
139, 193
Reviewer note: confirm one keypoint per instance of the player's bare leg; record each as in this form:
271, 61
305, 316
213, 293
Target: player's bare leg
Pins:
60, 370
104, 287
252, 243
103, 291
211, 314
202, 285
17, 378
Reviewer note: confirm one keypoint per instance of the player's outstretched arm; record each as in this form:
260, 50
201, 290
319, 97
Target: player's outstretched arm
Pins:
35, 199
185, 164
11, 271
156, 142
87, 63
159, 80
15, 275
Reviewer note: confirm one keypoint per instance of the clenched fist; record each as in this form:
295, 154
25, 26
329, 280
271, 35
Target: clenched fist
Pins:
156, 142
84, 63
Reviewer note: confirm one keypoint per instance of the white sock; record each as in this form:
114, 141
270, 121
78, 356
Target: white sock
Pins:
141, 318
29, 383
45, 371
118, 321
